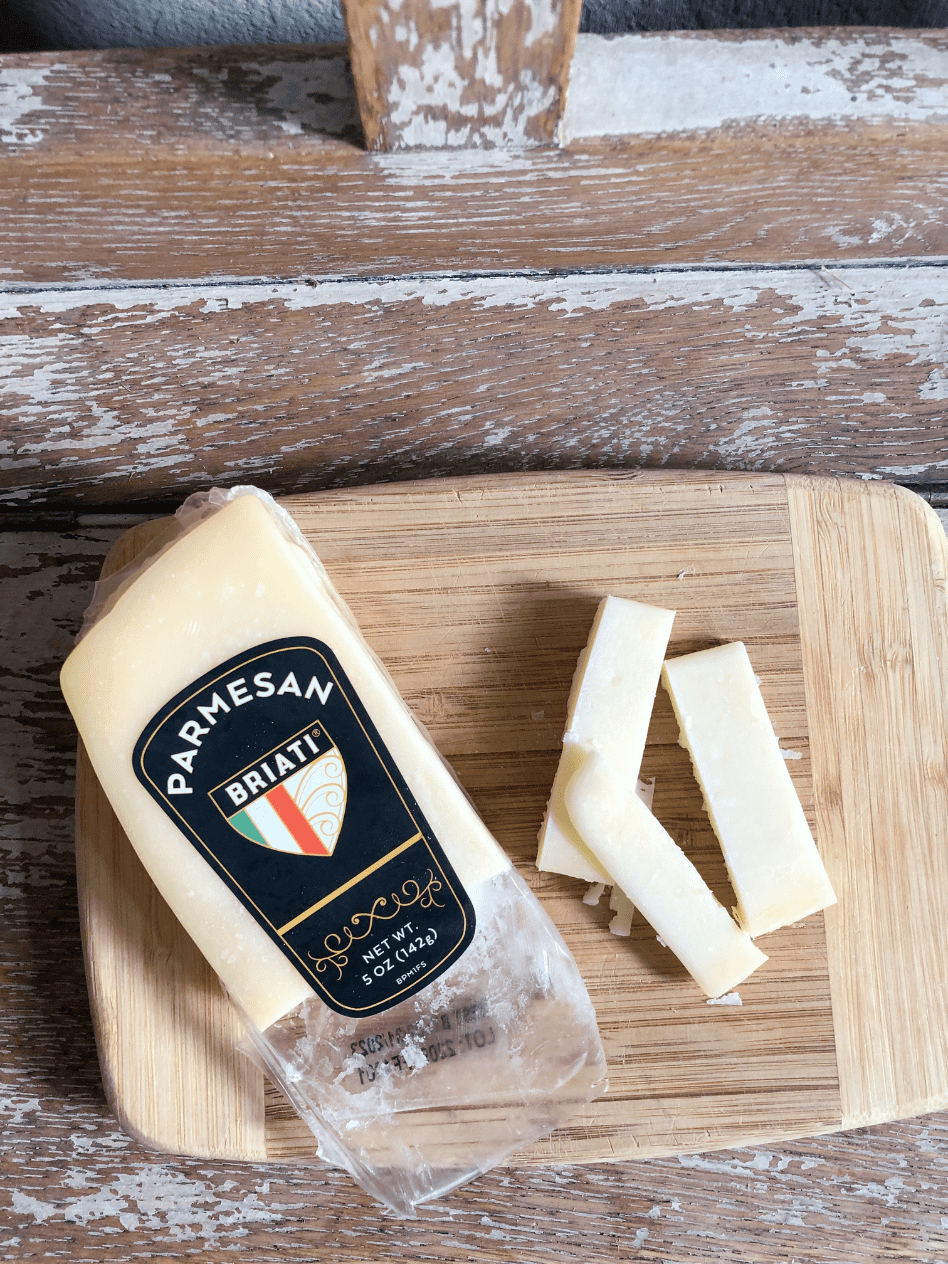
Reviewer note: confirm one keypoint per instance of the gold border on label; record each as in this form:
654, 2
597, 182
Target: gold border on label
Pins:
347, 886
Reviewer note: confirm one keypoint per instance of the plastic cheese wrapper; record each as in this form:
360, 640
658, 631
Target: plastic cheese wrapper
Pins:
398, 980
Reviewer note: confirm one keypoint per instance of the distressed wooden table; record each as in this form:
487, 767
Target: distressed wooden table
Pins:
734, 258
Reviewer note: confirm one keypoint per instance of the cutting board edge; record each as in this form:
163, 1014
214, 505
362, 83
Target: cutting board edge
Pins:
153, 1126
862, 1010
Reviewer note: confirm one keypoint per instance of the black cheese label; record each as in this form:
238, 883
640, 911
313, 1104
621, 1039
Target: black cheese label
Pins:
273, 769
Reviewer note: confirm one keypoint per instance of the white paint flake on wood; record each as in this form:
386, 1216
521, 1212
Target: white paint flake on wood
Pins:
695, 81
851, 330
456, 73
156, 1199
18, 98
888, 310
811, 288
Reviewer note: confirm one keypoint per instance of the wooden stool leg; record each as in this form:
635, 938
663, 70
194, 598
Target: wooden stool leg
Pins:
461, 73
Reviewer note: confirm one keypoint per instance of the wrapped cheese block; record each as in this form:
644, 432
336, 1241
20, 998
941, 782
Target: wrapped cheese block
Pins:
397, 979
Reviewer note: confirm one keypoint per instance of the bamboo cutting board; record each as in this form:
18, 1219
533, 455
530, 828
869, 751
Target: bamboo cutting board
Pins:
478, 594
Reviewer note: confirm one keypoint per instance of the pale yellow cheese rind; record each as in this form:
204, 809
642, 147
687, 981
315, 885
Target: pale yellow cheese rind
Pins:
772, 859
659, 879
232, 582
610, 706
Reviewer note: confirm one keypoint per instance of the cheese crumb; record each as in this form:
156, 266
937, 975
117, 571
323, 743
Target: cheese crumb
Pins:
624, 909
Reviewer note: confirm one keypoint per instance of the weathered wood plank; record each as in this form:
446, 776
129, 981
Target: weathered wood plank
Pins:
299, 95
142, 394
755, 196
694, 81
215, 100
107, 155
461, 73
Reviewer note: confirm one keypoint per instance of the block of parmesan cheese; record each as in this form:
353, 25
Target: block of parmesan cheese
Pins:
656, 875
609, 707
234, 581
775, 868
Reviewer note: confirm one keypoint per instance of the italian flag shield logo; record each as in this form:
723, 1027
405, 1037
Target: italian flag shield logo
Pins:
301, 814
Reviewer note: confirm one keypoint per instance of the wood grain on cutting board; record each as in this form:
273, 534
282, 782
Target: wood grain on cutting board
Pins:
478, 595
871, 586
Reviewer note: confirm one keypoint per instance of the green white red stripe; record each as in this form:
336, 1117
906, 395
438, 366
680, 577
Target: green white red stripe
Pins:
302, 814
276, 821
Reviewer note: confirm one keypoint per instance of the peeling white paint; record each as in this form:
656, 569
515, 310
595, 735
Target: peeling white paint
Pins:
688, 81
15, 1110
487, 166
937, 385
18, 98
157, 1199
429, 101
731, 1165
430, 98
887, 312
926, 470
901, 290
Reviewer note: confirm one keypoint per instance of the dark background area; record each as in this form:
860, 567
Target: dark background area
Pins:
33, 25
17, 33
615, 16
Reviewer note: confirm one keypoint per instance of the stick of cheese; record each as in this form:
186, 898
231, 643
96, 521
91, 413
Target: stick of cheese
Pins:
610, 705
653, 871
775, 868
